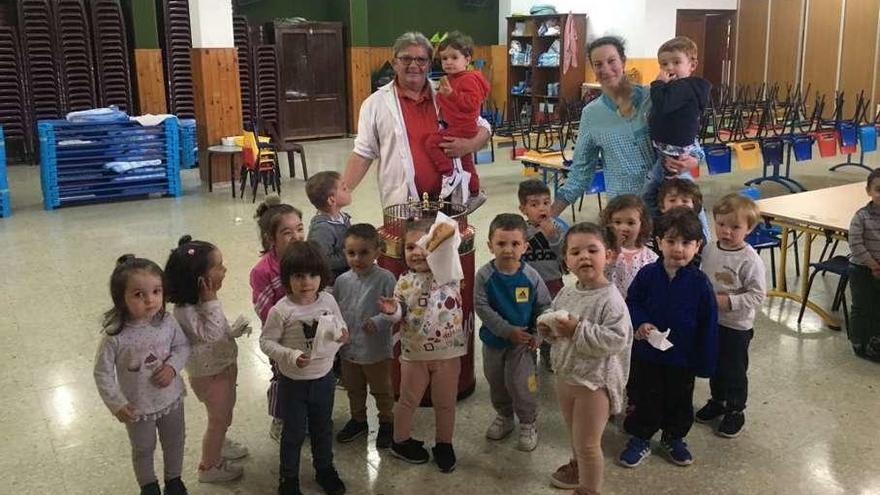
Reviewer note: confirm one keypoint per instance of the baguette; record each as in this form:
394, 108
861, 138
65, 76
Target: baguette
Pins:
441, 232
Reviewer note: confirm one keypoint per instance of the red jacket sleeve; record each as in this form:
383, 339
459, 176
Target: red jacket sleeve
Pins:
468, 93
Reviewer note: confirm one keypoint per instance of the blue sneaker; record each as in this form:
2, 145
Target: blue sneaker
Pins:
678, 452
635, 452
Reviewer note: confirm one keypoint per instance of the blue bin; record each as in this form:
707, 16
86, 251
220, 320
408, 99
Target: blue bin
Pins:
847, 133
868, 137
803, 146
718, 158
771, 150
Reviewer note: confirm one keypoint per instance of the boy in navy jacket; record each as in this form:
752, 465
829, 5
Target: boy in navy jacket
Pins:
670, 294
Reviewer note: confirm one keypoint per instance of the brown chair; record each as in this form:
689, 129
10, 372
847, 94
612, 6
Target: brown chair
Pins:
289, 147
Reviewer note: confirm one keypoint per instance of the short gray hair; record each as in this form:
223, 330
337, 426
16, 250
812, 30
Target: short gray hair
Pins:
412, 38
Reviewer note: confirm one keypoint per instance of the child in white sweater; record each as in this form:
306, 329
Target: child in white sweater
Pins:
302, 334
194, 273
590, 353
137, 371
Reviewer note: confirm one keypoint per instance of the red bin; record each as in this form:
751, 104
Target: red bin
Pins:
392, 259
827, 141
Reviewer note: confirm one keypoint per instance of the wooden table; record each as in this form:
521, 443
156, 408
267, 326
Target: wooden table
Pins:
546, 163
821, 213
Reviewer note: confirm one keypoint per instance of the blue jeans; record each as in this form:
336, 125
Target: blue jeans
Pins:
306, 402
649, 192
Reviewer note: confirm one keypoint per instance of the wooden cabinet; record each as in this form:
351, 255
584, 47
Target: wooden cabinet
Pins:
537, 84
311, 69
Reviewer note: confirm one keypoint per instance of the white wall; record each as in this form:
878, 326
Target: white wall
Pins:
644, 24
211, 23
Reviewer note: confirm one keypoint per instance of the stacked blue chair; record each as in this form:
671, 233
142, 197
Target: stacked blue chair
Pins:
868, 137
188, 146
95, 162
717, 158
5, 206
803, 146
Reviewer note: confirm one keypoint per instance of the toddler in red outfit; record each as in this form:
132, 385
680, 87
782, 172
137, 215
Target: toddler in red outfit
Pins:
461, 94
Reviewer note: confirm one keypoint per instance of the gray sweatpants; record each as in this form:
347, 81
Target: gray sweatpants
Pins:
508, 371
172, 434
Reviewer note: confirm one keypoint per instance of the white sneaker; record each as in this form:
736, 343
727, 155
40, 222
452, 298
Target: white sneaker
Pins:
500, 428
528, 437
275, 429
220, 473
233, 450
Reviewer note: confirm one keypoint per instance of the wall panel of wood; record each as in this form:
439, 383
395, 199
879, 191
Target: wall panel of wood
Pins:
821, 48
786, 25
150, 83
217, 102
859, 51
751, 41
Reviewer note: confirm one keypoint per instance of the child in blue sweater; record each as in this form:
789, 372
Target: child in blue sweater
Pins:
673, 295
508, 297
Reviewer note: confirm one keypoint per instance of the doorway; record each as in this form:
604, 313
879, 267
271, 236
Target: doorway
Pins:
714, 32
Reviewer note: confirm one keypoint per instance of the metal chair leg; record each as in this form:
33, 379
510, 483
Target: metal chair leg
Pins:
772, 267
807, 295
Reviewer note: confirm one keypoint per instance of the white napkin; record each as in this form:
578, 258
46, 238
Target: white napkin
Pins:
444, 262
658, 339
329, 329
552, 318
241, 326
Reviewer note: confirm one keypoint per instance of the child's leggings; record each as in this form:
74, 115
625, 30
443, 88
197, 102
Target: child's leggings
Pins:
415, 376
586, 412
217, 393
172, 434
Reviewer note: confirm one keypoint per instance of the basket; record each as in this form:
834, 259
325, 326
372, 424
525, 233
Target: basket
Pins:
395, 218
847, 136
718, 159
771, 151
827, 143
868, 137
803, 146
748, 154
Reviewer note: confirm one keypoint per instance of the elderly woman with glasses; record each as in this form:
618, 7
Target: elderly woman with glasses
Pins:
393, 126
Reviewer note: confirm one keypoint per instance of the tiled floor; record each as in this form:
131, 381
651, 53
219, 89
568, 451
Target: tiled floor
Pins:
812, 422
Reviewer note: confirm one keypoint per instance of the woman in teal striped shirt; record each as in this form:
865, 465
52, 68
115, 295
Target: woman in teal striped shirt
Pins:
615, 124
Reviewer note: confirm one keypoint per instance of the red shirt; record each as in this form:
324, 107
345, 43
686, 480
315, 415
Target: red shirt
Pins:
420, 120
461, 108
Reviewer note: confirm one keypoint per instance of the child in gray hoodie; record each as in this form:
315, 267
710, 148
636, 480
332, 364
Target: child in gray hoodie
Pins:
329, 195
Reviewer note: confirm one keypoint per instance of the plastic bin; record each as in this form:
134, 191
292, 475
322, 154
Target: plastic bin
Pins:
847, 136
718, 158
803, 146
748, 154
827, 143
5, 206
772, 151
868, 137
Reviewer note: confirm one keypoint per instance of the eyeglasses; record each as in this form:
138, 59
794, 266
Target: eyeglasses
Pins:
407, 60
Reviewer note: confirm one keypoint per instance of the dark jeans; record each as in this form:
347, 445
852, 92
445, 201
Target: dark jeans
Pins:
730, 384
864, 317
306, 402
664, 400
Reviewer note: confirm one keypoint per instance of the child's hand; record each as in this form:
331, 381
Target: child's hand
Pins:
534, 344
344, 337
302, 361
549, 228
163, 376
125, 414
207, 289
369, 327
520, 336
663, 76
567, 326
388, 305
545, 330
445, 88
723, 301
644, 330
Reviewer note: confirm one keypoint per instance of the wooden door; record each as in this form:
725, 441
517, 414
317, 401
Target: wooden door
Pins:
714, 32
693, 25
312, 79
328, 98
